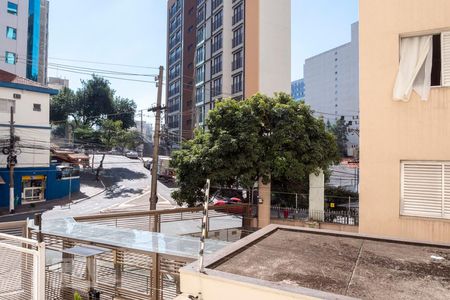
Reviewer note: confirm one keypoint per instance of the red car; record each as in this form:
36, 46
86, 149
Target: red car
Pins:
222, 201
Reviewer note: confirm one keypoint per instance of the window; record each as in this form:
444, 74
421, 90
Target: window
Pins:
36, 107
238, 13
201, 14
5, 105
11, 33
174, 88
237, 60
200, 94
216, 87
200, 34
237, 84
217, 20
425, 189
174, 71
424, 62
216, 4
173, 105
200, 55
216, 64
200, 114
200, 75
12, 8
238, 36
10, 58
217, 43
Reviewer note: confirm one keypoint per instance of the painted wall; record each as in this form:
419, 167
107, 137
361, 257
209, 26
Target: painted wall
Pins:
393, 131
32, 127
56, 188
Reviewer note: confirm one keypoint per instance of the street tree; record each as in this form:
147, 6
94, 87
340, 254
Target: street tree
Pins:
340, 131
62, 105
259, 138
94, 100
110, 132
124, 110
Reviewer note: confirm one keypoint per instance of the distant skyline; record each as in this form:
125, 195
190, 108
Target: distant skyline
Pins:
133, 32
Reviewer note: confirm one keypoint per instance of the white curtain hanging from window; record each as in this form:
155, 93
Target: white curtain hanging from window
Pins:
416, 60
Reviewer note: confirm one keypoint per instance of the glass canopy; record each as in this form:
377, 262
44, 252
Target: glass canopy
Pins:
182, 246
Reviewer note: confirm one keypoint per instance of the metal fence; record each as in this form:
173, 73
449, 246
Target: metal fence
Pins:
22, 268
347, 217
152, 220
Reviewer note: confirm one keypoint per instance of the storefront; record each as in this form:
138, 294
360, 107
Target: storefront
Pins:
33, 188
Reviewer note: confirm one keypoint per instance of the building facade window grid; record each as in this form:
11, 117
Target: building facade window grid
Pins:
238, 13
237, 84
217, 43
216, 87
237, 62
12, 8
217, 20
11, 33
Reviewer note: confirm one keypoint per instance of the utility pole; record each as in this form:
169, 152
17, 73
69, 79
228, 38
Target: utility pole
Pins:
11, 160
142, 136
153, 195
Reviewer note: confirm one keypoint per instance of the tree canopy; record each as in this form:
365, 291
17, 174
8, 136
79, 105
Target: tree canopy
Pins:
260, 137
340, 131
95, 114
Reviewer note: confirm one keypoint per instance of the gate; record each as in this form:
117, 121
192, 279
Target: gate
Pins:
22, 268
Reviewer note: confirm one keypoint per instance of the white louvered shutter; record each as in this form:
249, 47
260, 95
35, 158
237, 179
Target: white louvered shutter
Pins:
422, 189
447, 191
445, 51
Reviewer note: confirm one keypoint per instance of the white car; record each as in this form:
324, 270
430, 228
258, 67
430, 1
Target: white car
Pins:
132, 154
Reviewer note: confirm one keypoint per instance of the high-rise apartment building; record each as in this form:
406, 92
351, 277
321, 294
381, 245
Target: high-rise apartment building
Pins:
332, 86
298, 89
181, 33
240, 47
24, 38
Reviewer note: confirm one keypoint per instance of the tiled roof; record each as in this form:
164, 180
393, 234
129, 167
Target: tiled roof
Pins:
12, 78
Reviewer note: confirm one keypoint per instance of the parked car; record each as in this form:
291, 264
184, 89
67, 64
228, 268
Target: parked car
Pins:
222, 201
148, 164
132, 154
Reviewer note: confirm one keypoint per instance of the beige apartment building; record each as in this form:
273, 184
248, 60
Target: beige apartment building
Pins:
405, 119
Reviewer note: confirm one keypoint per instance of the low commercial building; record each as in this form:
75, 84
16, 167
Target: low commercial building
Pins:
404, 152
35, 178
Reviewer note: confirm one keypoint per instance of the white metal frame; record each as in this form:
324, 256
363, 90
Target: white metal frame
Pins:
38, 253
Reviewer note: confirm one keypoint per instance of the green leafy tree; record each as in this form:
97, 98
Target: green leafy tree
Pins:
129, 139
124, 110
94, 100
62, 105
340, 131
260, 137
109, 132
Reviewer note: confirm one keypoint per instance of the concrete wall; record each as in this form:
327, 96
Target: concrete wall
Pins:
19, 46
31, 126
393, 131
218, 288
274, 46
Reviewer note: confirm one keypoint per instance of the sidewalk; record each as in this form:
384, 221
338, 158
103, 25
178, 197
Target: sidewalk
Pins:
89, 188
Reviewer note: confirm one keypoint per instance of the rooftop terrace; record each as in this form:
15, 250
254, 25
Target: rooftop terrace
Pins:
321, 263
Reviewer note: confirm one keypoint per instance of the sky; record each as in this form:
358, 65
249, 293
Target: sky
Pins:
133, 32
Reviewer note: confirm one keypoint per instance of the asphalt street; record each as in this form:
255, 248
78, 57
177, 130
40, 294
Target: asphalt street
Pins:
125, 180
